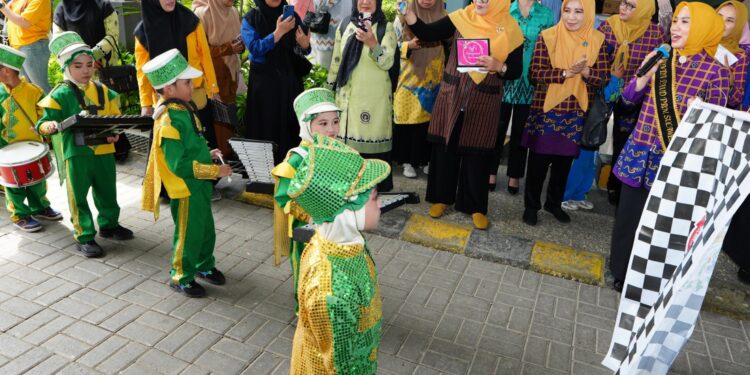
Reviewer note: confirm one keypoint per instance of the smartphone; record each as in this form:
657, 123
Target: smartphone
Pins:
402, 7
288, 11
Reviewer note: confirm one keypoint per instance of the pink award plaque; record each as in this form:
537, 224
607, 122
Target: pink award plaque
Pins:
470, 50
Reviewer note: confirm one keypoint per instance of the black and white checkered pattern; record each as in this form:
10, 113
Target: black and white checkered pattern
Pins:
701, 182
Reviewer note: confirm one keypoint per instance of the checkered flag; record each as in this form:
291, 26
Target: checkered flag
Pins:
700, 184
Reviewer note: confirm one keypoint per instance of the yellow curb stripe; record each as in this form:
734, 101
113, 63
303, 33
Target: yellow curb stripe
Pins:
256, 199
563, 261
438, 234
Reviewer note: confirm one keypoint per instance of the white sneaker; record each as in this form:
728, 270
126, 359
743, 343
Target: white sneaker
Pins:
426, 169
585, 205
409, 171
569, 205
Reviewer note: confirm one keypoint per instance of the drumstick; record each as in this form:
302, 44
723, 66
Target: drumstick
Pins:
229, 178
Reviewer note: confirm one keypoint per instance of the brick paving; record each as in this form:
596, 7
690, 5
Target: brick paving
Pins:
444, 313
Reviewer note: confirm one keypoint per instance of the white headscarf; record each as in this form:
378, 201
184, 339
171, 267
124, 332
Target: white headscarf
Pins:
345, 229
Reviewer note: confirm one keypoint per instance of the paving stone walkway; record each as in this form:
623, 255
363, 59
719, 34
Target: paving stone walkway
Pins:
444, 313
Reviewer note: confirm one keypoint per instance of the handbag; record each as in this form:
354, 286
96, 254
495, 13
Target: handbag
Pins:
319, 20
121, 78
595, 128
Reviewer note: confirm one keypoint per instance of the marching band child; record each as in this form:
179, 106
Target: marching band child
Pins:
181, 161
18, 116
317, 113
340, 309
86, 168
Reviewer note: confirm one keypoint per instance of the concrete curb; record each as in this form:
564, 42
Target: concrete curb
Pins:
543, 257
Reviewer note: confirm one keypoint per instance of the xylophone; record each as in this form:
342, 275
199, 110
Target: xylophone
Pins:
257, 159
386, 201
93, 130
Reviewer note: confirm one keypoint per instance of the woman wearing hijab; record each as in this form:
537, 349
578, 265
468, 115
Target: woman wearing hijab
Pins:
632, 34
222, 23
690, 72
463, 128
359, 72
734, 14
166, 25
95, 21
422, 65
532, 17
570, 63
735, 17
276, 49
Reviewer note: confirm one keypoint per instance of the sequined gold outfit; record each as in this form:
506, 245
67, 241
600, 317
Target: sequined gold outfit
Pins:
340, 310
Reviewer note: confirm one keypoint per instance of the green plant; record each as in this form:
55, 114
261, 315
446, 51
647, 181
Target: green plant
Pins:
317, 78
390, 9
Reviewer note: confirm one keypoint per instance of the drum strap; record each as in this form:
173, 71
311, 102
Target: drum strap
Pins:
23, 111
92, 109
190, 106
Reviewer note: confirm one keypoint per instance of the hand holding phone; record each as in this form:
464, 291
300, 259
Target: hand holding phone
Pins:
288, 11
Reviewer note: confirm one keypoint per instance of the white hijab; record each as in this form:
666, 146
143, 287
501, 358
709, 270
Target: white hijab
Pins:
345, 228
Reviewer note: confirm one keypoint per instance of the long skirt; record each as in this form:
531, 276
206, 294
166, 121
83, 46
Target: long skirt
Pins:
269, 114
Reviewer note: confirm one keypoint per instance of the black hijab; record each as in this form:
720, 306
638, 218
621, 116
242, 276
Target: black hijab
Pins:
85, 17
160, 31
353, 48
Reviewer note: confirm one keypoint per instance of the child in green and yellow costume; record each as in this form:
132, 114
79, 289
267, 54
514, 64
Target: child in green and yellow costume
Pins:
18, 116
181, 161
86, 168
340, 308
317, 113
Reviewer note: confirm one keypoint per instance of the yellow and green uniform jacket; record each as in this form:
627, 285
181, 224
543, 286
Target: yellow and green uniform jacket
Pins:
181, 161
18, 116
340, 311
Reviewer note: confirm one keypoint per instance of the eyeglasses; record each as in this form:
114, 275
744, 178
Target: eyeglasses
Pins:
628, 6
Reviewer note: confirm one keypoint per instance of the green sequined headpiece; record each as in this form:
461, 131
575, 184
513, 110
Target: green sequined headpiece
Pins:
67, 46
314, 101
334, 177
11, 57
167, 68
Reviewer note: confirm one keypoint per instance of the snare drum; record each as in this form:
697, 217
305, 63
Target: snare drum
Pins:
24, 164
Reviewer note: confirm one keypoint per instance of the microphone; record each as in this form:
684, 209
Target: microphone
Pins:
661, 53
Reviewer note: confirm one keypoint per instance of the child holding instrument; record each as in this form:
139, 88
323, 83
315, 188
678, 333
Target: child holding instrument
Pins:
18, 116
84, 167
181, 161
317, 113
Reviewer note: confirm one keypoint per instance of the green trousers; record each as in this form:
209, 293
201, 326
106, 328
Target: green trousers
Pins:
26, 201
194, 234
95, 173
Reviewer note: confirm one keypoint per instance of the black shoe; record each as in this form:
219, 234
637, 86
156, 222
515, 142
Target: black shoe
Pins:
513, 190
213, 276
492, 187
191, 289
618, 285
90, 249
744, 276
119, 233
613, 197
529, 216
559, 214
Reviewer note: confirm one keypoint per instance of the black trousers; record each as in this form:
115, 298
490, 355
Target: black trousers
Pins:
627, 216
387, 184
536, 173
738, 237
206, 116
516, 152
619, 138
410, 144
458, 178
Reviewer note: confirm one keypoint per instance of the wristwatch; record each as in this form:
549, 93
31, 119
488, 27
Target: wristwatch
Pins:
565, 74
503, 69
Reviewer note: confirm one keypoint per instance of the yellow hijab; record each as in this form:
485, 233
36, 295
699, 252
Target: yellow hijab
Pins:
565, 48
706, 29
732, 41
628, 31
497, 24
